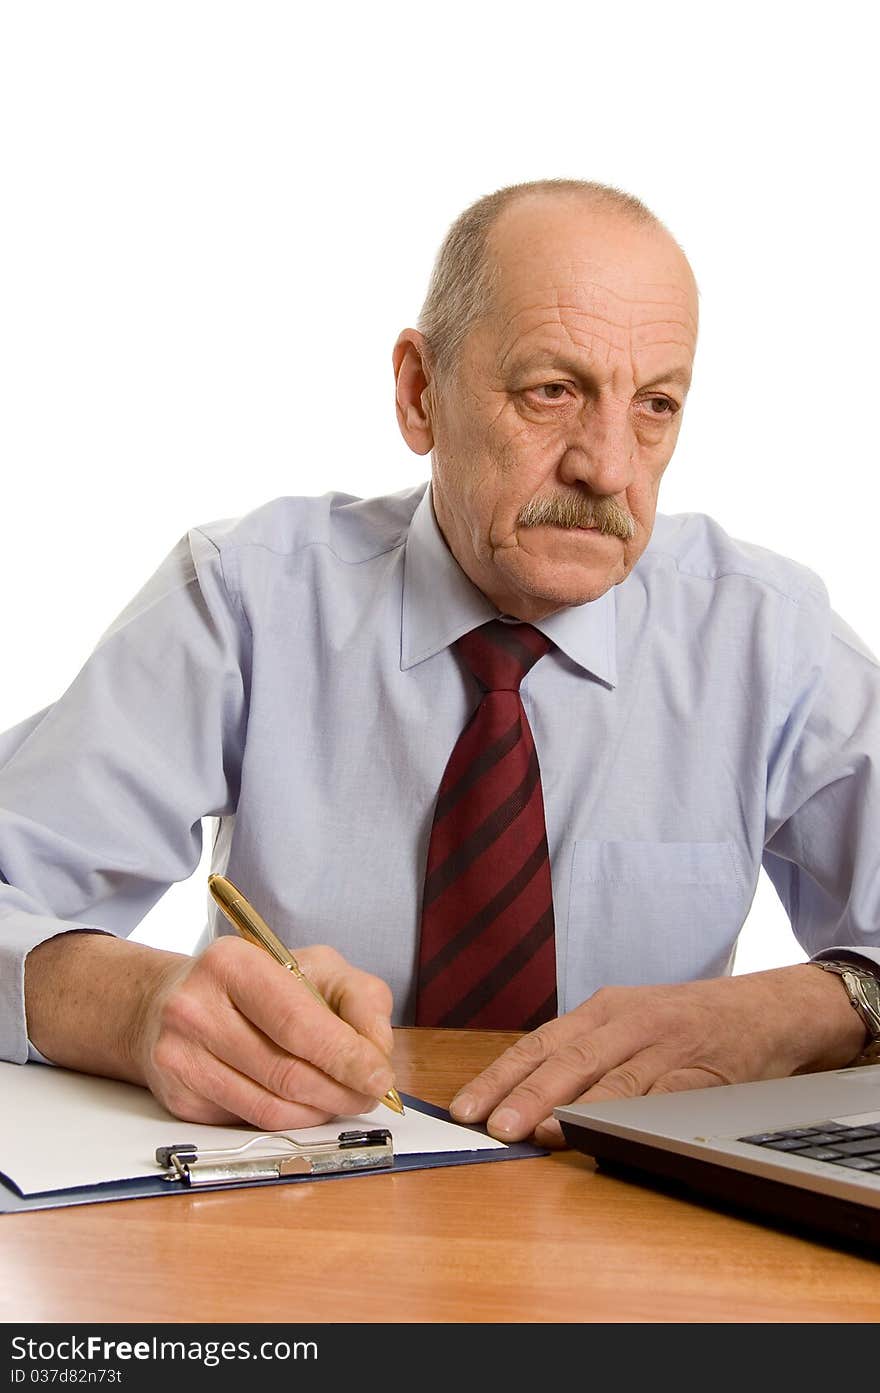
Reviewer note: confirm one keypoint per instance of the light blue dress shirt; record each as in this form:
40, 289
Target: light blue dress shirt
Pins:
290, 673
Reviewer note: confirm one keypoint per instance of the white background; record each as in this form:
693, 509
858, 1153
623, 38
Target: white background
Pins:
217, 216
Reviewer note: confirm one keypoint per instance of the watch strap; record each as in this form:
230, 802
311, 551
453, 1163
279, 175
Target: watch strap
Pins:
863, 989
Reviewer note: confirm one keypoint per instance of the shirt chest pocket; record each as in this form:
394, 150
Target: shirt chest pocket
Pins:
649, 912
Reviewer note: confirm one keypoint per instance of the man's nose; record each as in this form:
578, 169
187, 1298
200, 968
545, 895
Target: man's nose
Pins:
600, 451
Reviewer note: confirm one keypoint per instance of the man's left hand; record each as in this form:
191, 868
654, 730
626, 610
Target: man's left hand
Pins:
626, 1041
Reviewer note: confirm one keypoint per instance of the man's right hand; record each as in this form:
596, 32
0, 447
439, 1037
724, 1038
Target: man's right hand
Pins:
224, 1037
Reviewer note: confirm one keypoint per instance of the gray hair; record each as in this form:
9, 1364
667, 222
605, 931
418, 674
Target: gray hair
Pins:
464, 276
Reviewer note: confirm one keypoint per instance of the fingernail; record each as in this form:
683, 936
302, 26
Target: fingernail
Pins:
379, 1083
505, 1121
463, 1106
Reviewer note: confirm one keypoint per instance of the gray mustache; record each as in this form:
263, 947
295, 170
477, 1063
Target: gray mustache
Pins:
576, 511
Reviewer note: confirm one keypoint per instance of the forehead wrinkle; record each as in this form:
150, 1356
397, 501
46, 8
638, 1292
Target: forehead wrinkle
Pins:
644, 292
570, 316
641, 314
632, 337
578, 320
582, 321
562, 299
642, 335
552, 352
584, 334
670, 319
687, 321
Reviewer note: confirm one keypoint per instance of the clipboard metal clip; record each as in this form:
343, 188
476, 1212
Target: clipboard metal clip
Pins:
183, 1163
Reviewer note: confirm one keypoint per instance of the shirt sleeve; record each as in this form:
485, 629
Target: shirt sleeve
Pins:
822, 842
102, 794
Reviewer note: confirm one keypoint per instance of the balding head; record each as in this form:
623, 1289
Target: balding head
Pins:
469, 263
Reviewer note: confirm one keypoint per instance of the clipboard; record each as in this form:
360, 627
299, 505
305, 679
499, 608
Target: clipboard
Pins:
13, 1201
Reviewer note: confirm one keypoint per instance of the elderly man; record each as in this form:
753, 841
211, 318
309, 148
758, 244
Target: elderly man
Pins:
510, 743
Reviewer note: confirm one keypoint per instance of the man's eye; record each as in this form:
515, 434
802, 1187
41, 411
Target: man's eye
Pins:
661, 406
551, 391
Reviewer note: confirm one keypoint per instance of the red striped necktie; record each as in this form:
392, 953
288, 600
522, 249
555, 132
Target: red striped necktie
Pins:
487, 956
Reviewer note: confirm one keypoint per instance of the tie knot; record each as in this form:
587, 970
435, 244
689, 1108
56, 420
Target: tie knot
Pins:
499, 655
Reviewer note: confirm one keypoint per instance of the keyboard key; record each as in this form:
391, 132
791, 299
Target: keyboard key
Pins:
788, 1144
858, 1163
800, 1132
826, 1138
818, 1153
857, 1148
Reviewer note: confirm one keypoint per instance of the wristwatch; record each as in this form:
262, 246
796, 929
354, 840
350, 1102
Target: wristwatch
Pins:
863, 989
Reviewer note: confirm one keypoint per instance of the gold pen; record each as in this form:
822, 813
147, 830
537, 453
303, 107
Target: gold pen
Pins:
255, 929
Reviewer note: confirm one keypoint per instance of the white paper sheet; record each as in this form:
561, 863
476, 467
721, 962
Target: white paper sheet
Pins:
59, 1129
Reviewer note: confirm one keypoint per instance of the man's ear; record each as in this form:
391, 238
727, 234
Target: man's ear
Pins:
412, 374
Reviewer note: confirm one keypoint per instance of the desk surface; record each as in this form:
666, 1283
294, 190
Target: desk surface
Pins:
542, 1239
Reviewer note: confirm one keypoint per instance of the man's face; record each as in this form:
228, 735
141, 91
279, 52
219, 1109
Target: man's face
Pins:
568, 397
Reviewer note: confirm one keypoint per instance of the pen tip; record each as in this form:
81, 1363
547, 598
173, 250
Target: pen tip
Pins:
392, 1099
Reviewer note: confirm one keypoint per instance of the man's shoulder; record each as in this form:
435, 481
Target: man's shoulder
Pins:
353, 529
698, 546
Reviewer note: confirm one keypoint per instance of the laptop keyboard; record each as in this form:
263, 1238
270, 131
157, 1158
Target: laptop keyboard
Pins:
857, 1148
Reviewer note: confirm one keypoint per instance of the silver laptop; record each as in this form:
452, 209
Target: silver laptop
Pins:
802, 1152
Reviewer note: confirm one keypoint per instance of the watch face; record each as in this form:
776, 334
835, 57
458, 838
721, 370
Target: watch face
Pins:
871, 991
866, 991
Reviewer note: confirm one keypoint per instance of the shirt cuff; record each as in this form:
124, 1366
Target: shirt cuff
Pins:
868, 957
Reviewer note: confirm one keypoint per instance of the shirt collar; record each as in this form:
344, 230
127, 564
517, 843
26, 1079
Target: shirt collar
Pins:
440, 604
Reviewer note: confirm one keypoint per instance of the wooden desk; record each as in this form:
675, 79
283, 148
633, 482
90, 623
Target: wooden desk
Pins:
546, 1239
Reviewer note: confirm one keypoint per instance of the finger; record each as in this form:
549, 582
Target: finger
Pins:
561, 1080
610, 1051
284, 1009
360, 998
234, 1040
215, 1093
629, 1080
477, 1099
549, 1133
480, 1095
